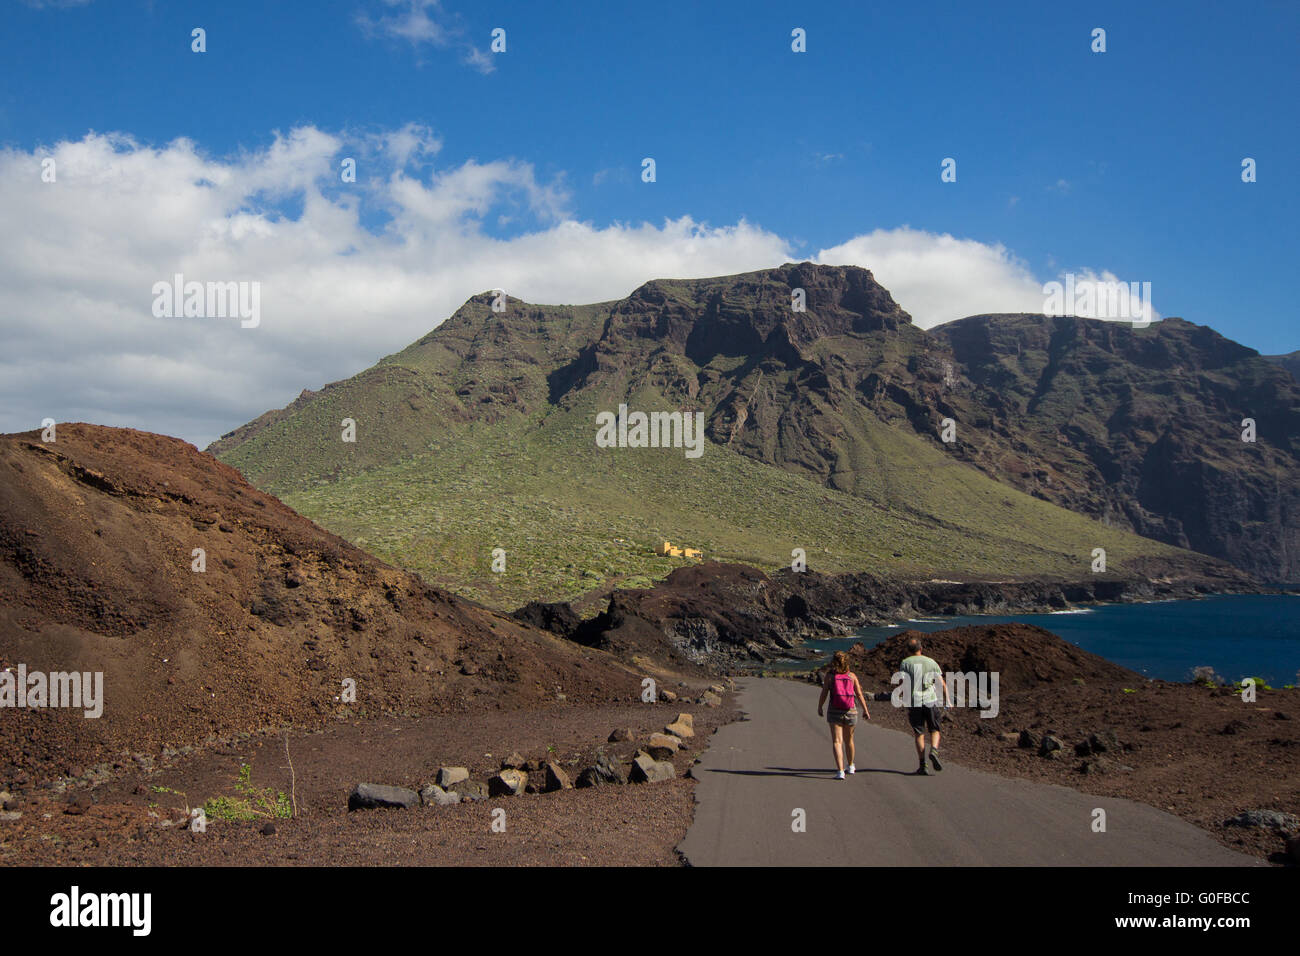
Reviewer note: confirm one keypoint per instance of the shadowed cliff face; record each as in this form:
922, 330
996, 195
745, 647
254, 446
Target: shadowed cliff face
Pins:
1139, 429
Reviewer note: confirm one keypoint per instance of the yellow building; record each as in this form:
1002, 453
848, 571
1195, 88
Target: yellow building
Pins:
669, 550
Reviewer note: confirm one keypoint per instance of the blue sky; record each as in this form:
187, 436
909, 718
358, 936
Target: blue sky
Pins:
1126, 162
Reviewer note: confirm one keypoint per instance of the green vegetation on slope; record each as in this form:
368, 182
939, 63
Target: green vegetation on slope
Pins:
570, 515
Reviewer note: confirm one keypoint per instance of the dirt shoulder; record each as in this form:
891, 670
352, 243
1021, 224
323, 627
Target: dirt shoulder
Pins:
133, 819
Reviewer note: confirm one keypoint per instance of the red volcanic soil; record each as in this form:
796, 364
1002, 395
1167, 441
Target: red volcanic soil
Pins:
98, 532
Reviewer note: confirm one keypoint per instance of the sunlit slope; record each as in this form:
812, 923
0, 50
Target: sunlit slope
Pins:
570, 515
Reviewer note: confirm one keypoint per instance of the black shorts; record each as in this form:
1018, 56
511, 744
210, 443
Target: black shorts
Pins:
924, 718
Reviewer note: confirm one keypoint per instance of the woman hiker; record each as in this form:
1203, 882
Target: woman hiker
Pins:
842, 686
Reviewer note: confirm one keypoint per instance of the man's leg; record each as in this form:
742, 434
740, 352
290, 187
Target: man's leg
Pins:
934, 740
916, 717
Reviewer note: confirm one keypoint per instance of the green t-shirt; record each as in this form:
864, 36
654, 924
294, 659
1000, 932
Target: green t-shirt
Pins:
921, 672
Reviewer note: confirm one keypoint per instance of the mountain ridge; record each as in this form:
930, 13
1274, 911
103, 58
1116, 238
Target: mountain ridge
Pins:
840, 395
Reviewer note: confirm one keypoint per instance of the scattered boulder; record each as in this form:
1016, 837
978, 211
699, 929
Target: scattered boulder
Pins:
1293, 849
9, 816
680, 731
710, 699
1106, 742
435, 796
662, 746
1010, 737
1234, 727
621, 735
373, 796
508, 783
268, 828
450, 776
667, 697
1265, 819
470, 790
645, 769
556, 779
717, 689
513, 761
6, 800
605, 771
1096, 765
1050, 747
1028, 740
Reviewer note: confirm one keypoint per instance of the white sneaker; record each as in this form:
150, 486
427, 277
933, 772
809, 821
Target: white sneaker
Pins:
852, 769
839, 775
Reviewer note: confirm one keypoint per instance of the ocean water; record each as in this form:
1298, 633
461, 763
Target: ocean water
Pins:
1238, 635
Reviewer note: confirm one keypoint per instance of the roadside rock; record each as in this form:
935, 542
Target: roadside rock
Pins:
450, 776
435, 796
645, 769
1028, 740
1050, 747
605, 771
508, 783
667, 697
470, 790
662, 746
621, 735
710, 699
1265, 819
513, 761
556, 779
372, 796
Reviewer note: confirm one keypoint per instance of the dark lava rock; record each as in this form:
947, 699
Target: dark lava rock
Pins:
373, 796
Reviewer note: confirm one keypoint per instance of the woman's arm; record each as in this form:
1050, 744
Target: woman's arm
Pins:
825, 690
857, 686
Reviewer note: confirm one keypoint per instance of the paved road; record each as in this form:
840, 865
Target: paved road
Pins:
756, 772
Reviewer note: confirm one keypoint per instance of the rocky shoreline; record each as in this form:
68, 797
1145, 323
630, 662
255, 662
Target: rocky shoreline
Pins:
733, 618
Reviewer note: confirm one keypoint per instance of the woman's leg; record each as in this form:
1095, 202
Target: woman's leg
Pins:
837, 745
848, 744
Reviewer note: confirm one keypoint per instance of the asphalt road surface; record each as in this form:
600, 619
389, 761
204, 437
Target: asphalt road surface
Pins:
758, 772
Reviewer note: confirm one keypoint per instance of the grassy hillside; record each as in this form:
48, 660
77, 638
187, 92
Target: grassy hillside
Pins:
570, 515
822, 429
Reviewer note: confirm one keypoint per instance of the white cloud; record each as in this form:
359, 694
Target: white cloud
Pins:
421, 22
938, 278
348, 272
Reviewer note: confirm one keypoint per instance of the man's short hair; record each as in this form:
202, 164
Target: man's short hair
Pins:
914, 645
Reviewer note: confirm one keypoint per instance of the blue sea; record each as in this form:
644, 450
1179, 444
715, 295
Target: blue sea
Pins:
1238, 635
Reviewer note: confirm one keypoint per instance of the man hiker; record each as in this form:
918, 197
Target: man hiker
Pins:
924, 711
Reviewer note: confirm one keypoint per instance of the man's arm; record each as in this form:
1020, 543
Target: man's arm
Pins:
947, 701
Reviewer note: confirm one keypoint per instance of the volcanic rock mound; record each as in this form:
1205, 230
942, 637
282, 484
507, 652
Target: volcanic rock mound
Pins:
211, 608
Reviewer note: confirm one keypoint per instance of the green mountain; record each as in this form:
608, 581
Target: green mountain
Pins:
822, 427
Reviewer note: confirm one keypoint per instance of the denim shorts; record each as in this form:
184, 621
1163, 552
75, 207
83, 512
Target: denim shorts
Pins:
846, 717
